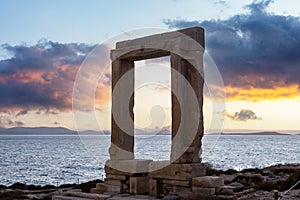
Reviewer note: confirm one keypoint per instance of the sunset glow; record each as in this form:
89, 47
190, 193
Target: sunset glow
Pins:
253, 44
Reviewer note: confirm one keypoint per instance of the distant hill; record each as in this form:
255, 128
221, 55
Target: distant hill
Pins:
36, 131
257, 133
65, 131
163, 131
93, 132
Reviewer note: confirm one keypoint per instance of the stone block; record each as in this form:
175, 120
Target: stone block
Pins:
236, 186
176, 182
87, 195
182, 192
102, 187
116, 177
183, 172
208, 181
228, 178
58, 197
204, 191
127, 167
171, 197
139, 185
180, 189
113, 182
226, 190
153, 187
96, 191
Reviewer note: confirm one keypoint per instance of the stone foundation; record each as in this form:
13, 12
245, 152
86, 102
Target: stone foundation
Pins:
182, 180
125, 176
161, 179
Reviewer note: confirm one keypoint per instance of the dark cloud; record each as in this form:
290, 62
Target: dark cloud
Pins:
7, 121
243, 115
40, 76
22, 112
257, 49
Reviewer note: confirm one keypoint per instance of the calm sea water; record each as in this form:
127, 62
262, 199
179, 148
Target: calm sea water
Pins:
71, 159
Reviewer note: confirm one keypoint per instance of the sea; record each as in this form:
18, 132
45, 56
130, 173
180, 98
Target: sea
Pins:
63, 159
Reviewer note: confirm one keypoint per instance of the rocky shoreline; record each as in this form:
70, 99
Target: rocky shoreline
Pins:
252, 184
261, 184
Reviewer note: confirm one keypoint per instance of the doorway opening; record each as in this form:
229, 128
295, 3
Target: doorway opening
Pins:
152, 109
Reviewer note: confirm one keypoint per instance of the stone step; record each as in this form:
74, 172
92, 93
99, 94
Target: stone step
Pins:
87, 195
96, 191
59, 197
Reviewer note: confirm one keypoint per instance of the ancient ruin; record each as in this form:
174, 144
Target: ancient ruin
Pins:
183, 174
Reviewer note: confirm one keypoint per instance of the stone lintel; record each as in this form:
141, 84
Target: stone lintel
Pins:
193, 32
159, 45
137, 53
184, 46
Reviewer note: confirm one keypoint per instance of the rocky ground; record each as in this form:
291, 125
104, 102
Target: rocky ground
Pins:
249, 184
260, 184
22, 191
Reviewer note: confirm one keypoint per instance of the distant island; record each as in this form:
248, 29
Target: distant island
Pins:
36, 131
259, 133
65, 131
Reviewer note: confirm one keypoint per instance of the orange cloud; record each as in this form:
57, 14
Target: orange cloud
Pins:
103, 96
261, 94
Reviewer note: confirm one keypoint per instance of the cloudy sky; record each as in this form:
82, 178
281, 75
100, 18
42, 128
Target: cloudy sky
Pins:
254, 44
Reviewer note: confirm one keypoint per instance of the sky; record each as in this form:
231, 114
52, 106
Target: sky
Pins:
254, 44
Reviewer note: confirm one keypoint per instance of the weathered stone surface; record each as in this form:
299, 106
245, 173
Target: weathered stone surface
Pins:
87, 195
102, 187
139, 185
192, 32
159, 45
226, 190
153, 187
237, 186
228, 178
176, 182
186, 48
182, 192
113, 182
171, 197
127, 167
176, 171
116, 177
208, 181
180, 189
187, 116
96, 191
204, 191
132, 197
58, 197
122, 140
